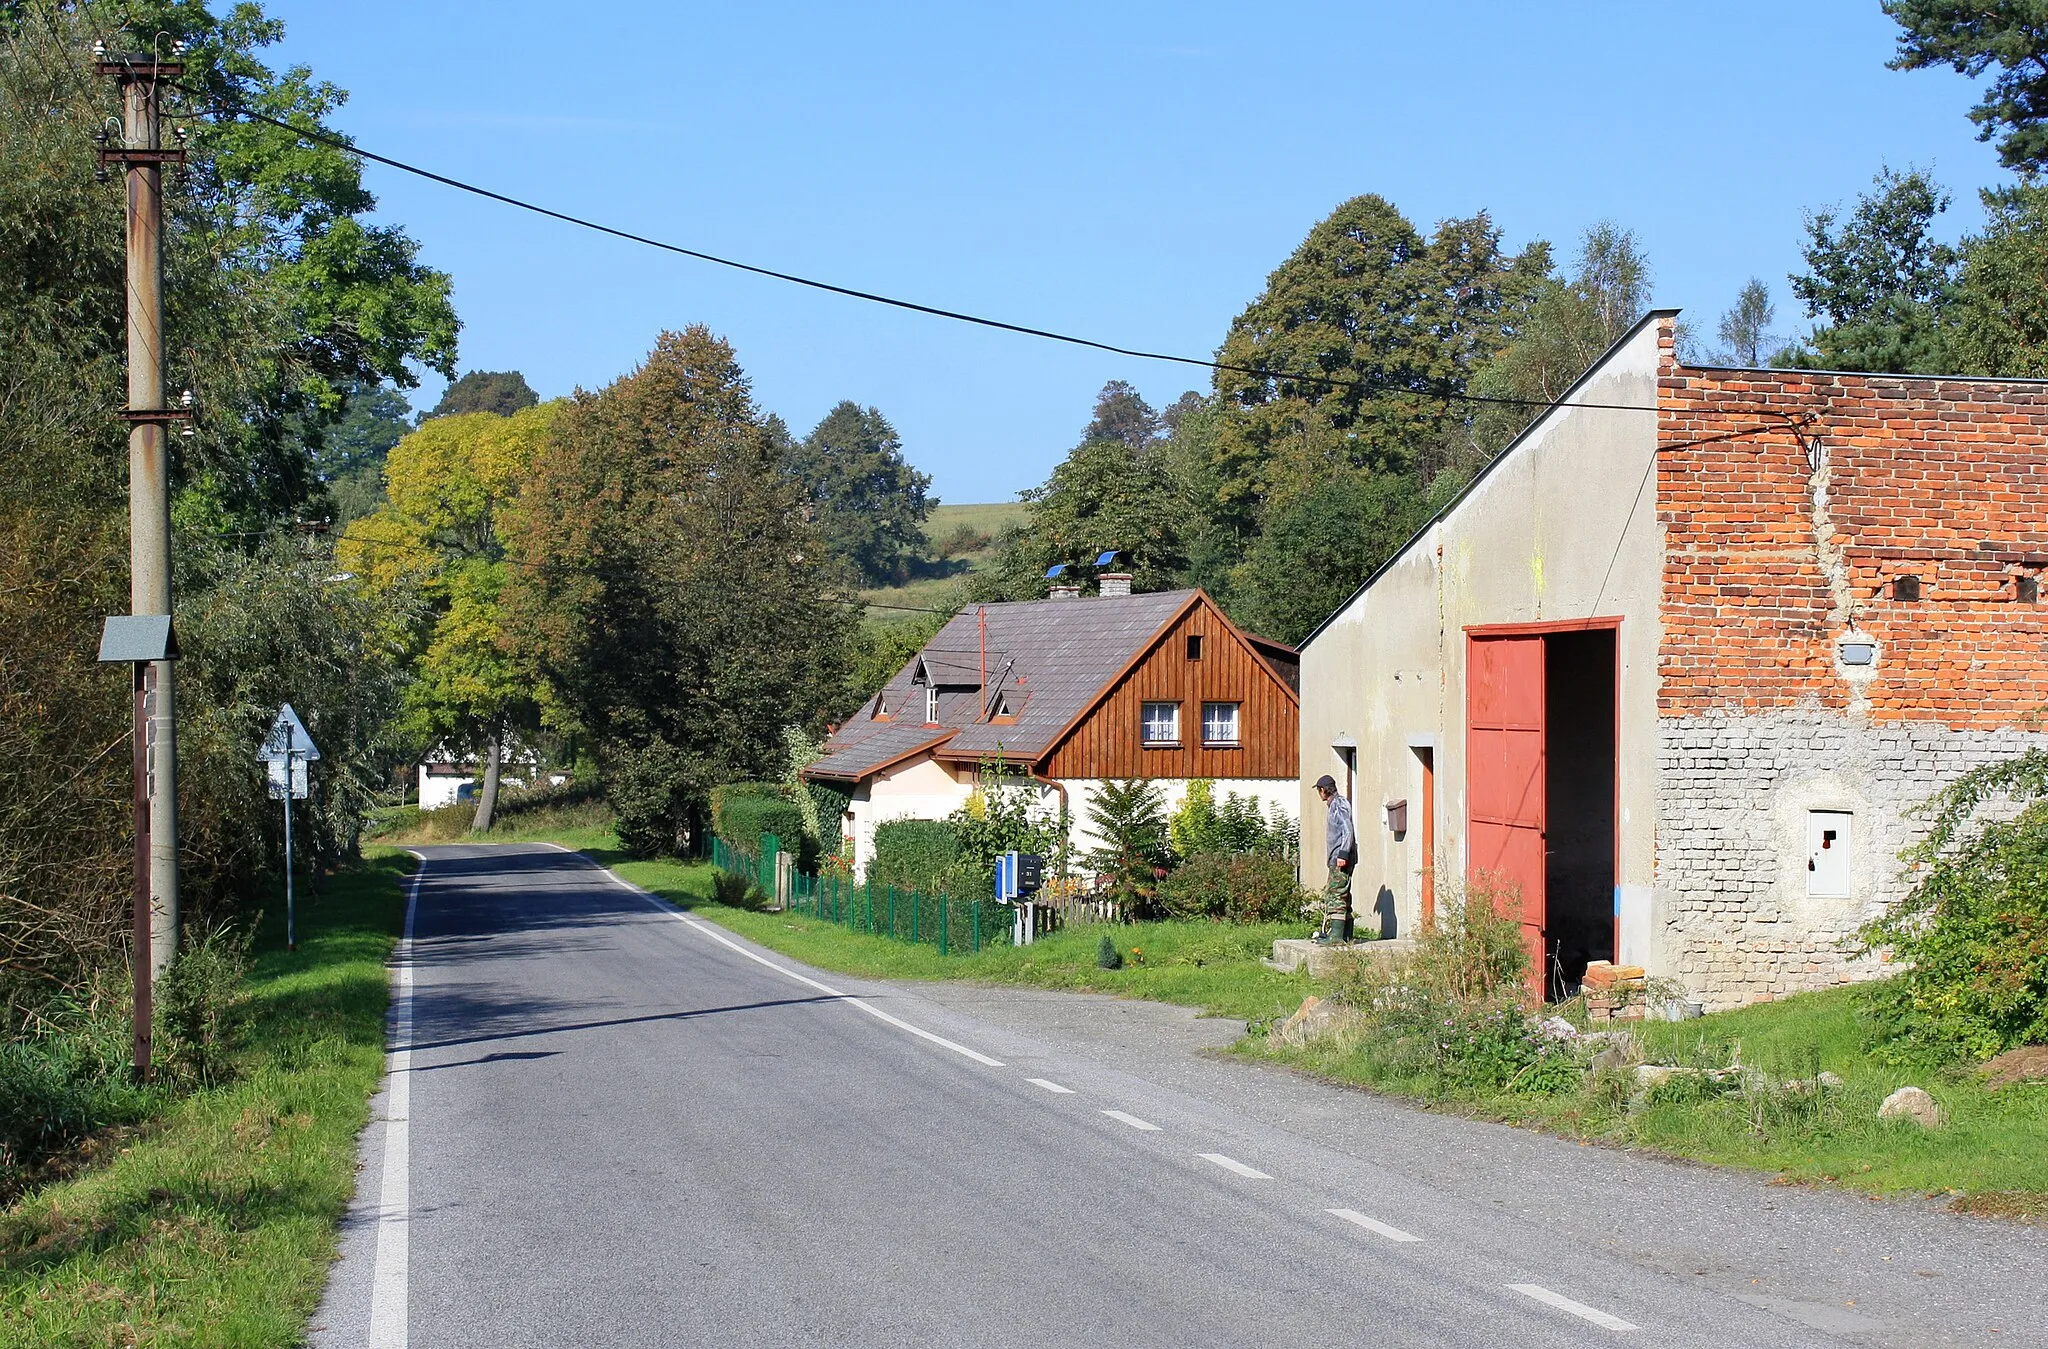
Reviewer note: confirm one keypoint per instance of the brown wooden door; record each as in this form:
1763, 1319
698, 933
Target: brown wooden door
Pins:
1428, 757
1504, 734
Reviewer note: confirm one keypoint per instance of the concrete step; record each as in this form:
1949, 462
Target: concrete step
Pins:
1294, 953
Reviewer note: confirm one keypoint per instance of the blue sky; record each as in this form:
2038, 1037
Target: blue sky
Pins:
1130, 172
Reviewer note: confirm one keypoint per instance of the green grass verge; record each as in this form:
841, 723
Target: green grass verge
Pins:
215, 1224
1992, 1155
1210, 966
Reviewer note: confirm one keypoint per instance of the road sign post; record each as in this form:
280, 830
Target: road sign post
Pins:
285, 753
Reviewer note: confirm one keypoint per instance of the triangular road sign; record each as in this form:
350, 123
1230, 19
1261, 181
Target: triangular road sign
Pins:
287, 731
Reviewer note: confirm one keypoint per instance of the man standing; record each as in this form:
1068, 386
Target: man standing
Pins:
1341, 838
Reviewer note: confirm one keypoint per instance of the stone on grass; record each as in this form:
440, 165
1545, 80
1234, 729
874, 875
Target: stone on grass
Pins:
1911, 1103
2025, 1064
1315, 1017
1650, 1076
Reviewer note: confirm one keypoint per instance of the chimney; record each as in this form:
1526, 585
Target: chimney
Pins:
1065, 593
1116, 583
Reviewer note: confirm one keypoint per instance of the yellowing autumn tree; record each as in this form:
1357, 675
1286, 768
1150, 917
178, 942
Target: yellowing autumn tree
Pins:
448, 488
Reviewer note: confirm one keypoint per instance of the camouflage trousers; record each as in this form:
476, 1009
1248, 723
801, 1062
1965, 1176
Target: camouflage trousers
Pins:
1337, 902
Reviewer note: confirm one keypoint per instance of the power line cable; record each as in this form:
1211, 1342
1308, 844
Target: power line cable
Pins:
221, 108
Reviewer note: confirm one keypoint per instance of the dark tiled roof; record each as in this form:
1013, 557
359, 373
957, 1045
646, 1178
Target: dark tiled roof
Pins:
874, 744
1048, 660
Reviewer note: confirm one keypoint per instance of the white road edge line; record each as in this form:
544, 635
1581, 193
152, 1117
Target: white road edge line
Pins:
390, 1286
1350, 1215
1053, 1087
1579, 1309
1234, 1166
1132, 1120
849, 999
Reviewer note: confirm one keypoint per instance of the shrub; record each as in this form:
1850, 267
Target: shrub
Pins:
1002, 816
1201, 826
1130, 819
1107, 957
920, 855
1235, 887
646, 787
735, 891
196, 1004
1972, 935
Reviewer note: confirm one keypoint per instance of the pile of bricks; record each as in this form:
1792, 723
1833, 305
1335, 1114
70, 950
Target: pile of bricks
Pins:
1615, 992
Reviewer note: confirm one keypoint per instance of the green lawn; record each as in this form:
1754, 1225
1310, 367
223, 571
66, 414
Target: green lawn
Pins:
215, 1224
1205, 965
1992, 1156
990, 518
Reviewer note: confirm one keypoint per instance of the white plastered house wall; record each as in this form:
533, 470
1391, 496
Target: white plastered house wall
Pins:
920, 788
1562, 527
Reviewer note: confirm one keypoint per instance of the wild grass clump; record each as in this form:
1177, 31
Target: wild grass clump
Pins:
1453, 1015
72, 1073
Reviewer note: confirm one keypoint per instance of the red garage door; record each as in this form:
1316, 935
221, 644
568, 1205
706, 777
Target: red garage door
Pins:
1504, 775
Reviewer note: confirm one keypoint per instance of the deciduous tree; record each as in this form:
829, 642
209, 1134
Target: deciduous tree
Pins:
671, 587
1879, 280
870, 503
503, 392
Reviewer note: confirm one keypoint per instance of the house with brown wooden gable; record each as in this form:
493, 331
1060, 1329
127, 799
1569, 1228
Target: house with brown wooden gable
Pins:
1068, 692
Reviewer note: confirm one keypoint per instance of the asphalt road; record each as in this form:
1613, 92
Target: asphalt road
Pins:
612, 1124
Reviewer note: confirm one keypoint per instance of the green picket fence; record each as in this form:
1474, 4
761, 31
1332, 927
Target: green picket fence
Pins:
955, 926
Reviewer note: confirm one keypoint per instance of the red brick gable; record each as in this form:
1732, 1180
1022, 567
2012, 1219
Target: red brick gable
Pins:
1942, 479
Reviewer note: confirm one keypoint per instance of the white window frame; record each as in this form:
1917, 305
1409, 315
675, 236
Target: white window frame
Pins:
1146, 723
931, 704
1236, 724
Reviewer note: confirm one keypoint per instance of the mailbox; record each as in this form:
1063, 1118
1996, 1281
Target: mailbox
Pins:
1030, 873
1397, 816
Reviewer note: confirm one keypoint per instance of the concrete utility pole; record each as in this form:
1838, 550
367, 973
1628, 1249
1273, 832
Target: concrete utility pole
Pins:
142, 157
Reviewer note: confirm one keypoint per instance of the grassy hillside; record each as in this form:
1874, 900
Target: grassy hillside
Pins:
961, 539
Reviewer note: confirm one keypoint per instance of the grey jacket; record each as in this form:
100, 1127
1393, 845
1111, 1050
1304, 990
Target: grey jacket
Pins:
1338, 830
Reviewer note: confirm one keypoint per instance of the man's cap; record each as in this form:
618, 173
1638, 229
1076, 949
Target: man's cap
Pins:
1326, 783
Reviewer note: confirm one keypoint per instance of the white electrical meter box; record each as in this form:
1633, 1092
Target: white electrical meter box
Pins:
1827, 853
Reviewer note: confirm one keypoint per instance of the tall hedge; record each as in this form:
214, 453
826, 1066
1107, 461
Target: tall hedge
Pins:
743, 811
914, 854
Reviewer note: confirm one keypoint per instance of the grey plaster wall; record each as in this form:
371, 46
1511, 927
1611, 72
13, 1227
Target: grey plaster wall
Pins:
1734, 920
1563, 527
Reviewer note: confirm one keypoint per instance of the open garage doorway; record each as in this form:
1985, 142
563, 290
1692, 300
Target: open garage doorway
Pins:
1540, 739
1579, 790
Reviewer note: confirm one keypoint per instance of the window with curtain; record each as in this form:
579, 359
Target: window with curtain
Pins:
1161, 723
1219, 723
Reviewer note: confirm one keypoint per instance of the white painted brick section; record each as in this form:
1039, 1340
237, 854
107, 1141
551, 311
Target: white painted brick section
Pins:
1733, 919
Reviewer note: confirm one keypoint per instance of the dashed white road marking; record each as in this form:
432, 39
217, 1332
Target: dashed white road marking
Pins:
390, 1288
849, 999
1234, 1166
1579, 1309
1052, 1087
1373, 1225
1132, 1120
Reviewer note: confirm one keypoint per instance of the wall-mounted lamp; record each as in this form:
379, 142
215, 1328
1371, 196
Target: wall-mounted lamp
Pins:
1858, 650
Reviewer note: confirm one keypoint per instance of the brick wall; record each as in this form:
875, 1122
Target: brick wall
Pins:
1777, 540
